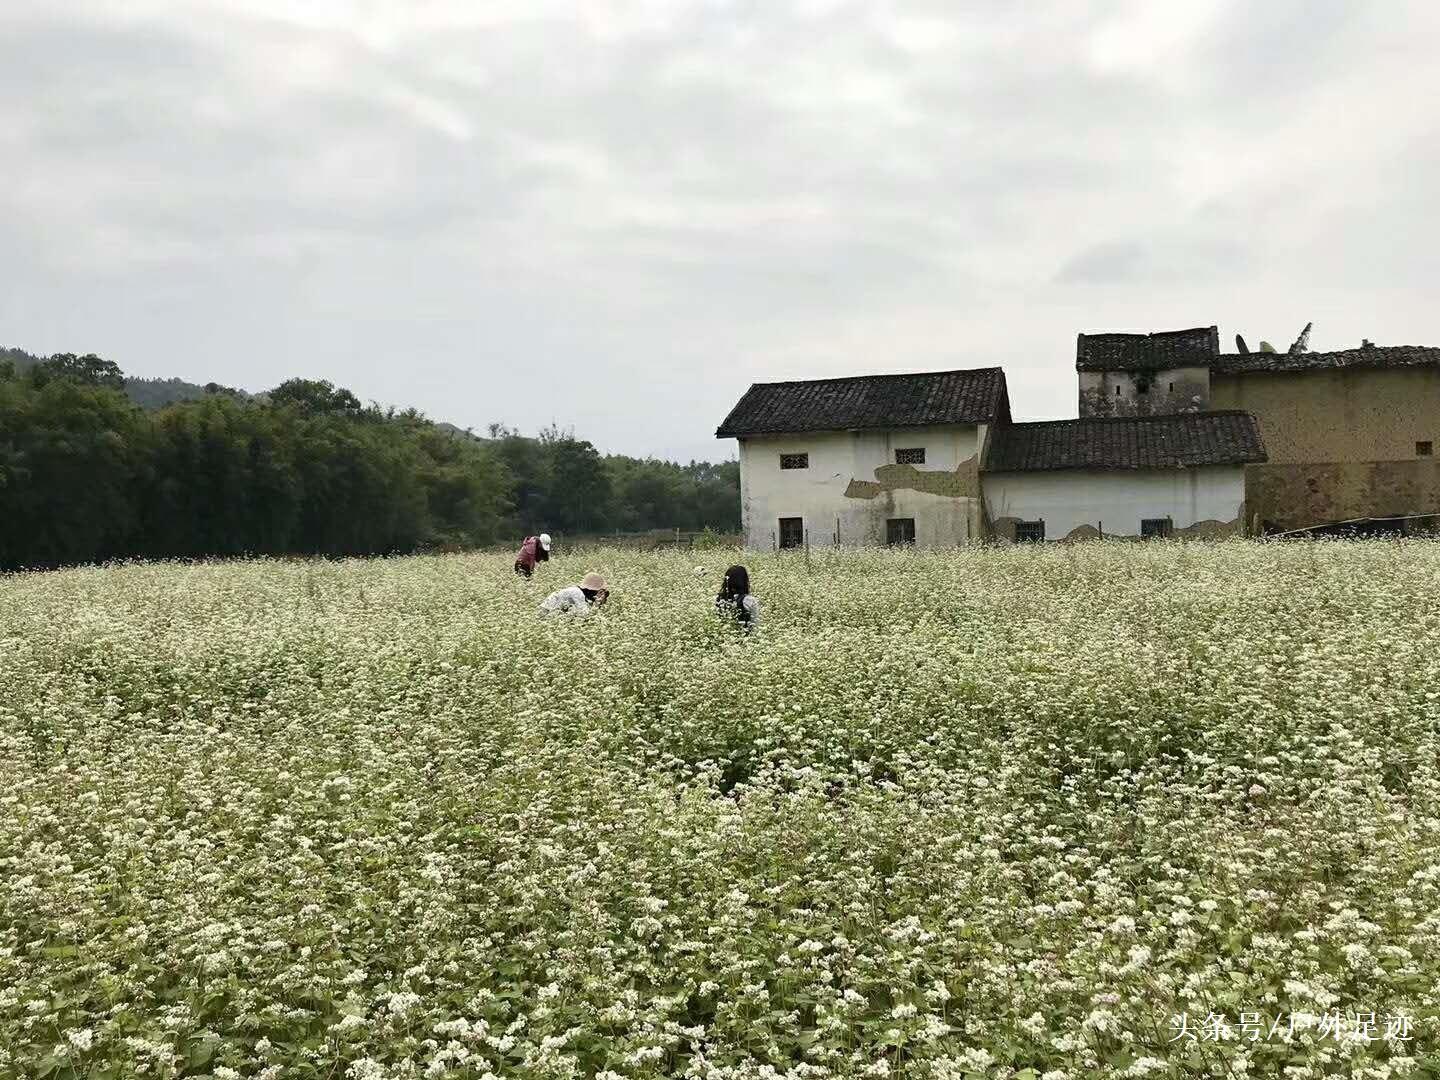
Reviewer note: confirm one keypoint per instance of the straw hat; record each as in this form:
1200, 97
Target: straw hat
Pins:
545, 541
594, 582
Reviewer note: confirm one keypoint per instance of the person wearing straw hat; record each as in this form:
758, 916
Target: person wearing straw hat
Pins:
592, 592
535, 549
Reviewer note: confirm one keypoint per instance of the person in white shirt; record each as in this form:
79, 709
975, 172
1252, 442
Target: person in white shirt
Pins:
592, 592
735, 601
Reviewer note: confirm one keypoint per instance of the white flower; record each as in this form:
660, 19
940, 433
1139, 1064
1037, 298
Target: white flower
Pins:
81, 1039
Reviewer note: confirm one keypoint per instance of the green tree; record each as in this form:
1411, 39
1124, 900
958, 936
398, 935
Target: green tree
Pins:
580, 493
74, 457
316, 396
88, 369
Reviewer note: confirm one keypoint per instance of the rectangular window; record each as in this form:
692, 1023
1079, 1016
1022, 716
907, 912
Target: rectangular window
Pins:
913, 456
1424, 449
792, 532
1155, 527
1029, 532
794, 461
900, 531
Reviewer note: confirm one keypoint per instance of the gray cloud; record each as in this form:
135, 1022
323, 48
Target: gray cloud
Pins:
617, 215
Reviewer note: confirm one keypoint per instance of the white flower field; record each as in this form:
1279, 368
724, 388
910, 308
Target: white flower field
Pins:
1096, 810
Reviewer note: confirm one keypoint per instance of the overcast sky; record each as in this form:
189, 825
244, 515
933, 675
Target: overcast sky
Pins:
616, 216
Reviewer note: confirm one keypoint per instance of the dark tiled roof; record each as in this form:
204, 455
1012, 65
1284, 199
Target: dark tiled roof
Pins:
1141, 442
1367, 356
977, 396
1147, 352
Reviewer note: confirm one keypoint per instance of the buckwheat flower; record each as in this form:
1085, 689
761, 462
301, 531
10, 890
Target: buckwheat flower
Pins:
1144, 1066
1122, 924
81, 1039
904, 1011
976, 1059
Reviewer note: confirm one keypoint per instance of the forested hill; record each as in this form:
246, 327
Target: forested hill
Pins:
147, 393
305, 468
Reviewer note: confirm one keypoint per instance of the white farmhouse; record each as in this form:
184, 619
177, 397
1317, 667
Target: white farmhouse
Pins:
867, 460
1176, 475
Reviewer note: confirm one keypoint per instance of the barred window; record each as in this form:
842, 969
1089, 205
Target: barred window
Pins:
794, 461
1155, 527
900, 531
915, 455
1029, 532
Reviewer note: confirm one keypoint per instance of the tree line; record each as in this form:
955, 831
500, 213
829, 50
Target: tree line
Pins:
87, 475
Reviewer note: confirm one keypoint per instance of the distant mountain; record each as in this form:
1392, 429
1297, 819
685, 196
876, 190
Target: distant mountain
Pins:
147, 393
157, 393
458, 432
19, 357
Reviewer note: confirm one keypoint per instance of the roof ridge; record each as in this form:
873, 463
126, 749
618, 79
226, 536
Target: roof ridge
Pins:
1127, 419
1322, 352
881, 375
1148, 333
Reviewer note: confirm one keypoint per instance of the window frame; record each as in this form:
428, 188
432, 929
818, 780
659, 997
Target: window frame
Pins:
902, 526
794, 537
911, 451
788, 461
1034, 532
1166, 528
1428, 446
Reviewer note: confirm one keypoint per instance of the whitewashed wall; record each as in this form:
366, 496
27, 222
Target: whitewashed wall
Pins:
817, 494
1115, 501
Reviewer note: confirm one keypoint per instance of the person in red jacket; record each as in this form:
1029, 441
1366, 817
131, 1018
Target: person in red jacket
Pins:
535, 549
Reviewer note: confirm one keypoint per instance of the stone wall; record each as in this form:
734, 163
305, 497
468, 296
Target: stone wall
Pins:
1346, 414
1299, 496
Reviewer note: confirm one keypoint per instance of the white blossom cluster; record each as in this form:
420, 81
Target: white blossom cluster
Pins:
982, 813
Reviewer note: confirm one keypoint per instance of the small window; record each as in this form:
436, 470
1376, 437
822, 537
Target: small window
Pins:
792, 532
900, 531
913, 456
1172, 388
794, 461
1029, 532
1117, 390
1142, 388
1424, 449
1155, 527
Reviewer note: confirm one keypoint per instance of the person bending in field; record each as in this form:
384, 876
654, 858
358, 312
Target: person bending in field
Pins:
735, 601
577, 599
535, 549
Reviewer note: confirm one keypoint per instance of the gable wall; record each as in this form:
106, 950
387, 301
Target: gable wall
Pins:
1119, 393
852, 485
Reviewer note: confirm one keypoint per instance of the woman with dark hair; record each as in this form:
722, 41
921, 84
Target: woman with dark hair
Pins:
735, 601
